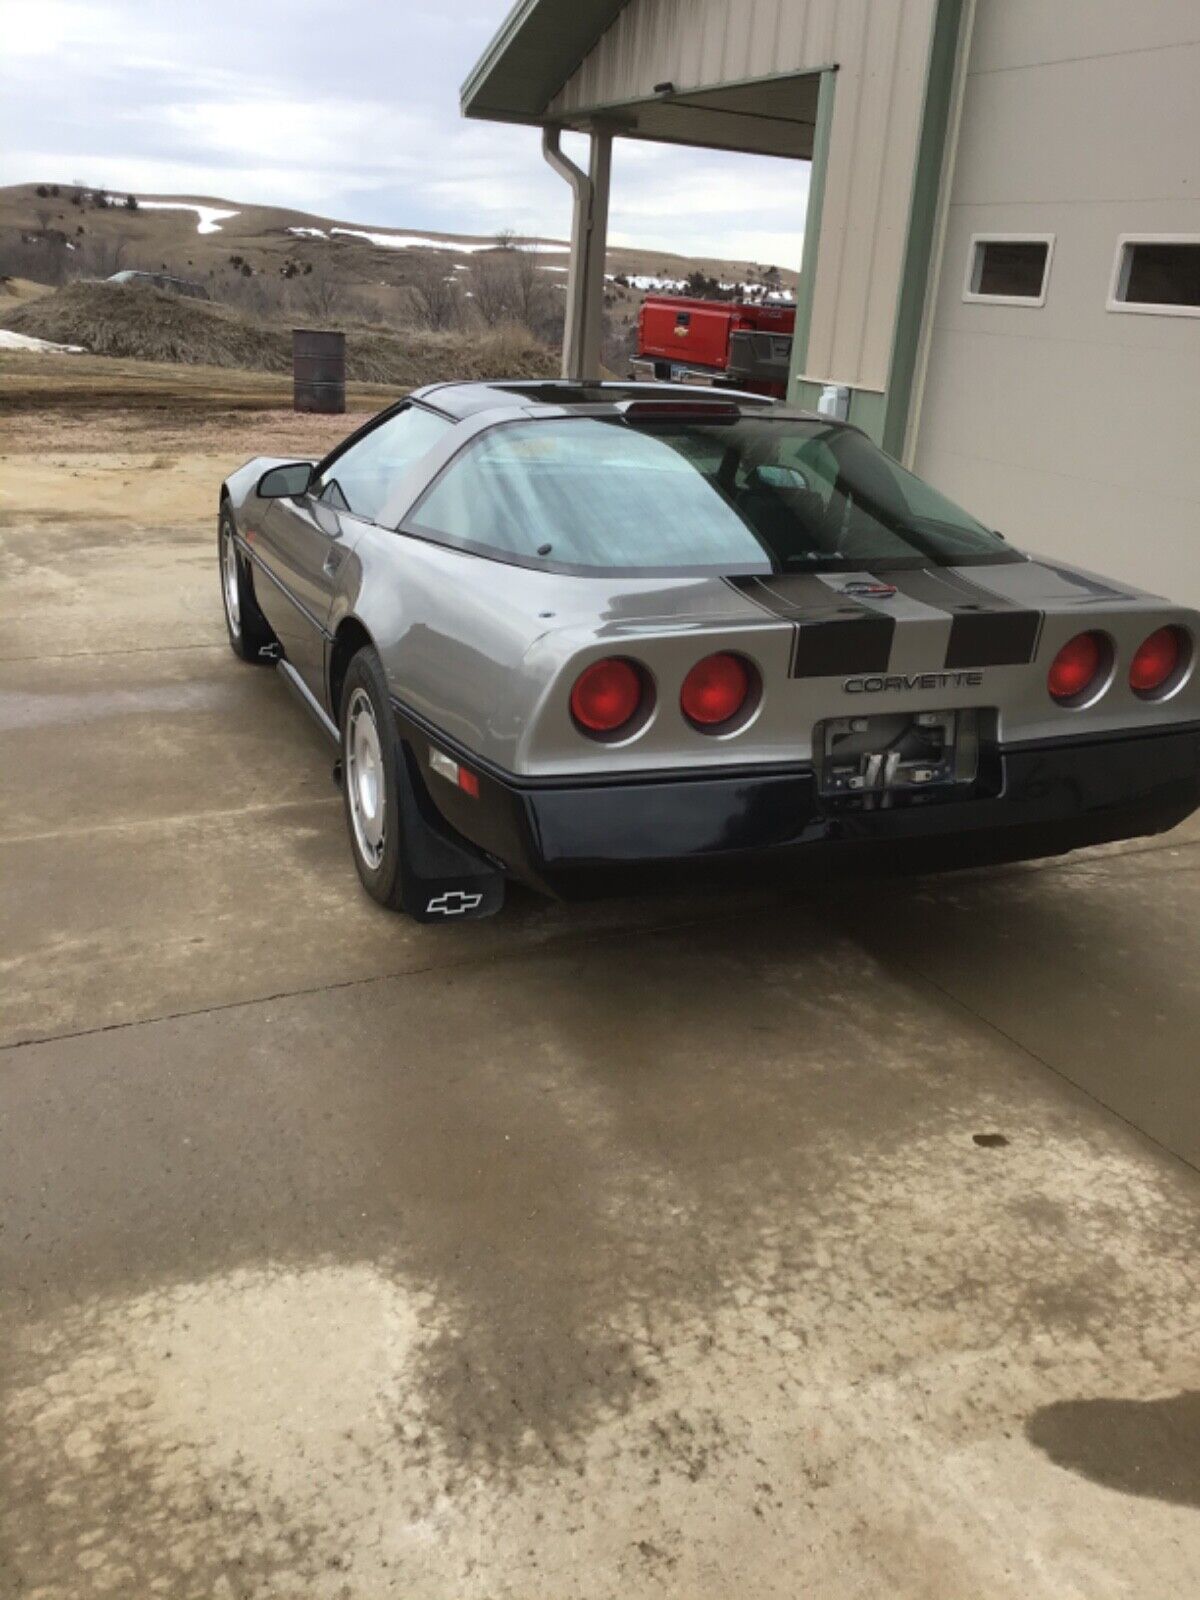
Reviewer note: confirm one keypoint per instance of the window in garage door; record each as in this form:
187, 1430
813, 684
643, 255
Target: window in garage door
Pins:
1011, 269
1158, 273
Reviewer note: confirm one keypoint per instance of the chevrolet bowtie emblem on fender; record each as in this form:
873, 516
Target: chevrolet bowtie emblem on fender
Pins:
454, 903
869, 590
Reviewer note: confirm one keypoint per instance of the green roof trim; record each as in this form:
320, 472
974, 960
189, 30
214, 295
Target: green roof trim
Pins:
538, 47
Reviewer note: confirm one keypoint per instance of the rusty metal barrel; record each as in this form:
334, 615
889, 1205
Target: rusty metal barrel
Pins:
318, 370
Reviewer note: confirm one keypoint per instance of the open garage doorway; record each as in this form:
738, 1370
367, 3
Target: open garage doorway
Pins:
783, 117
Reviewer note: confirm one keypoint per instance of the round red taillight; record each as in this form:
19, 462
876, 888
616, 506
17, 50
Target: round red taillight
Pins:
606, 695
715, 690
1157, 660
1076, 666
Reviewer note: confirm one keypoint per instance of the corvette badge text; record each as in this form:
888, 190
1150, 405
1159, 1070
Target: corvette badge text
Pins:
913, 680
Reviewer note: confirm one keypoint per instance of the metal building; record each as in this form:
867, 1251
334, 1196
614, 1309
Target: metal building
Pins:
1002, 242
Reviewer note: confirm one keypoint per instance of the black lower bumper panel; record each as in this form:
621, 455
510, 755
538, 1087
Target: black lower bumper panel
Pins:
1044, 799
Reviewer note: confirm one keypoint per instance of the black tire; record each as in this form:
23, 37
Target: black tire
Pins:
413, 863
365, 694
249, 631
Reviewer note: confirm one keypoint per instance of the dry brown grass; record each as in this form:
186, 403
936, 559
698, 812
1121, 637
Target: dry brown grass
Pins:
16, 290
130, 323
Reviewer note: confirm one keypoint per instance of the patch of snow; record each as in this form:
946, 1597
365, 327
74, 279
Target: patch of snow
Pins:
209, 218
26, 341
406, 241
749, 291
427, 241
642, 280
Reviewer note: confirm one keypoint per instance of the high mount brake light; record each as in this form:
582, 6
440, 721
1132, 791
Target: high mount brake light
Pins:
1157, 660
1076, 667
606, 695
681, 411
715, 690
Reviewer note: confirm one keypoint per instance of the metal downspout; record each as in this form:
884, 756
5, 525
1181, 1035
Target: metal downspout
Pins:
581, 187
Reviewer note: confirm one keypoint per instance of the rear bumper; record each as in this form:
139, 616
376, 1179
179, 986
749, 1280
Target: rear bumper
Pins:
567, 837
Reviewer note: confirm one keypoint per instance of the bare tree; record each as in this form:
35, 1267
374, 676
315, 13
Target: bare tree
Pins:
491, 288
530, 290
258, 295
511, 287
95, 257
435, 295
322, 293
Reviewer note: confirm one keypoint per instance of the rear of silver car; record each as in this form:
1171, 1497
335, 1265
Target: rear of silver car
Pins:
906, 720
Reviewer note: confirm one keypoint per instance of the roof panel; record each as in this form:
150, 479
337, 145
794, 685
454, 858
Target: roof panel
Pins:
539, 45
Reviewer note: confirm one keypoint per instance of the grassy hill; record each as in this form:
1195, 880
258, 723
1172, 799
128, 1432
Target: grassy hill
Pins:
267, 239
276, 265
136, 323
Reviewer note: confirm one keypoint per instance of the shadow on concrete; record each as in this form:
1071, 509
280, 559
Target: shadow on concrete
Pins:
1143, 1447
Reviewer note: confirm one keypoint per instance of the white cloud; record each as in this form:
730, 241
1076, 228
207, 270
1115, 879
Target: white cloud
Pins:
48, 28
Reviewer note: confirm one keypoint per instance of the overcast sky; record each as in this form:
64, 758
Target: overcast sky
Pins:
348, 108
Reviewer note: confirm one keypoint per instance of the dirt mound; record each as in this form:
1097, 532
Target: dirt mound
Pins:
137, 323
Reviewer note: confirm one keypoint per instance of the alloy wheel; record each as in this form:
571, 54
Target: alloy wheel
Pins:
364, 773
229, 582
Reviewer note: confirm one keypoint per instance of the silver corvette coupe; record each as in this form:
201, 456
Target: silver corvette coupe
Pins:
573, 634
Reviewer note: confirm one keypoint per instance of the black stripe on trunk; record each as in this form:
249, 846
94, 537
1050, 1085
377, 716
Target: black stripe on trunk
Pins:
986, 630
834, 635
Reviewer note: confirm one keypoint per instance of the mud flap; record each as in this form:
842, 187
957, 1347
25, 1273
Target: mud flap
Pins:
442, 878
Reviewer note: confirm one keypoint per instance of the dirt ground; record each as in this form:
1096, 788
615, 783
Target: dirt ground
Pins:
837, 1242
161, 452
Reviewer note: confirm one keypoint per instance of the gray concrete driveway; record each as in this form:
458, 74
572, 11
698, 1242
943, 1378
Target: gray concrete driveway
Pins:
835, 1244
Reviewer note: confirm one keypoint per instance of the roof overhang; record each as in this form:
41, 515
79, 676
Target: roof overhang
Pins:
543, 42
538, 47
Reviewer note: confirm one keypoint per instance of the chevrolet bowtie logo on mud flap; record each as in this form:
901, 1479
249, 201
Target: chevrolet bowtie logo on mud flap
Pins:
454, 903
879, 684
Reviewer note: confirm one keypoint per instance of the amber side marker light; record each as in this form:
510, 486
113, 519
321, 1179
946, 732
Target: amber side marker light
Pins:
715, 690
606, 695
1157, 660
1077, 666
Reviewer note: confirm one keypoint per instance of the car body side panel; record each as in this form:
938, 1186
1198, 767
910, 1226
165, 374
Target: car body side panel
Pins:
474, 646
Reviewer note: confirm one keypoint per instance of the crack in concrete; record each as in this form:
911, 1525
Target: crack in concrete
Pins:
100, 655
178, 819
552, 945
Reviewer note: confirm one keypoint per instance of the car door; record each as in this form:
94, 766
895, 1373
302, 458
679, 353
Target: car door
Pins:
306, 539
302, 543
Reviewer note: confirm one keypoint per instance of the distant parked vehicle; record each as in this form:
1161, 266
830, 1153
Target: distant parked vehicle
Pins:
162, 280
725, 343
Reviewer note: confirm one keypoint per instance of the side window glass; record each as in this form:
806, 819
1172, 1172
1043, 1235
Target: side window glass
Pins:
363, 479
814, 461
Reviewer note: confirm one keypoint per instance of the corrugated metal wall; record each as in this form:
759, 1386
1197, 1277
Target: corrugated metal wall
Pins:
1072, 427
881, 48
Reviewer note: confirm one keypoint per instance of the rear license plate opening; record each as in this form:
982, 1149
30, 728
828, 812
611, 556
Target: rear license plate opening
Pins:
897, 758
